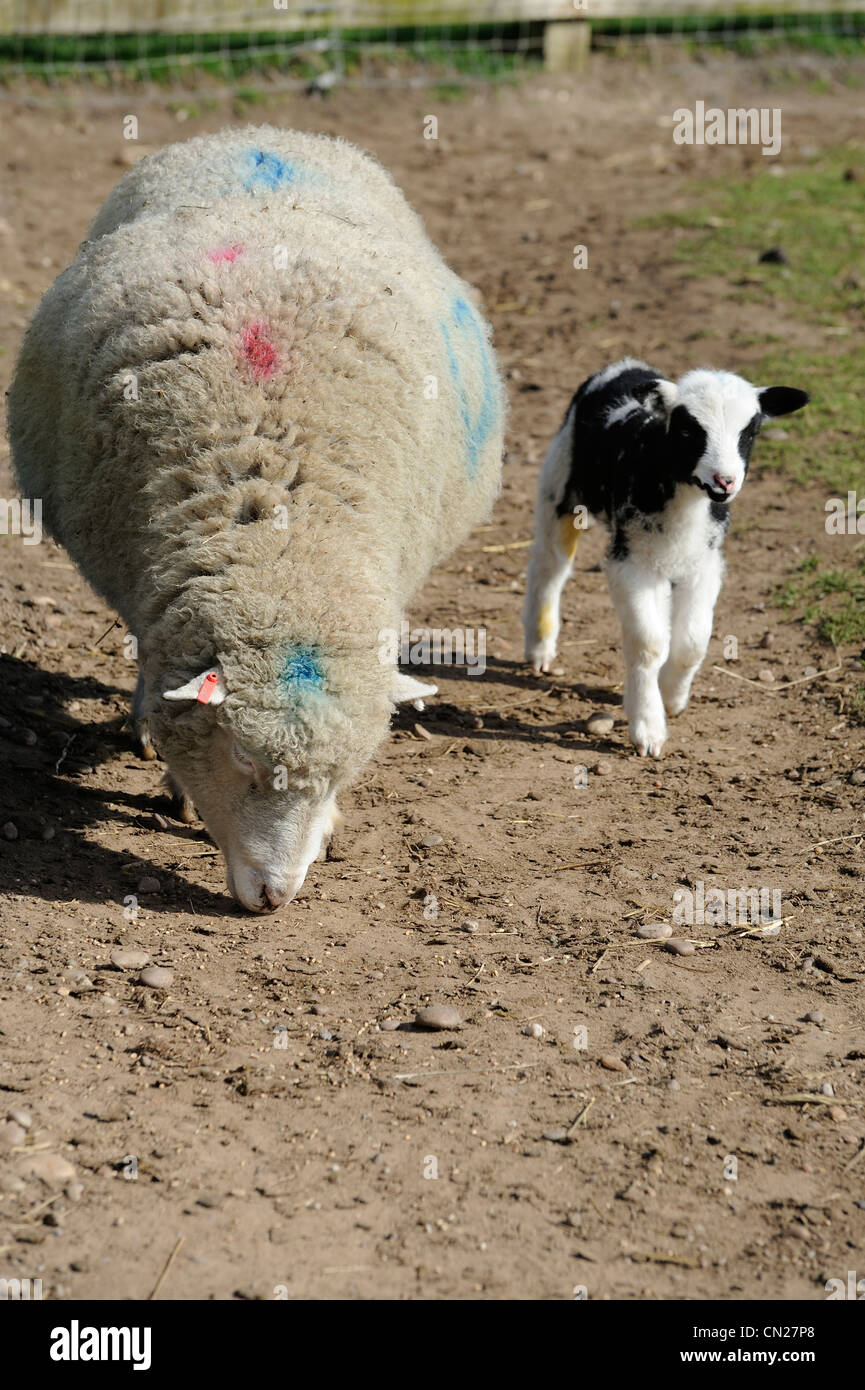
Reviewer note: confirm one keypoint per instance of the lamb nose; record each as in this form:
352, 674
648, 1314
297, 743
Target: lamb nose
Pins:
725, 484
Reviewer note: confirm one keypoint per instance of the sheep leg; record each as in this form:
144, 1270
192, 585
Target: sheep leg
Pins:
140, 732
643, 604
693, 608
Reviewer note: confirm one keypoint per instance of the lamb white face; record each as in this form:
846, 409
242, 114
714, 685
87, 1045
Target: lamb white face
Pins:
715, 418
714, 424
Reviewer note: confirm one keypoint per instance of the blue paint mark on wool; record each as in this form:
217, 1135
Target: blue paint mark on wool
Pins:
267, 170
477, 423
302, 671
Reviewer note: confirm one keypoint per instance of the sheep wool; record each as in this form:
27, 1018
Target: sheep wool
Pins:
258, 408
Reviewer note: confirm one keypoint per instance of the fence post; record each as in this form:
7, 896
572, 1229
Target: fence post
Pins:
567, 44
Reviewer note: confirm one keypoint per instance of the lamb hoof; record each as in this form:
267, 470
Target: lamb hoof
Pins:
541, 657
147, 751
185, 810
649, 742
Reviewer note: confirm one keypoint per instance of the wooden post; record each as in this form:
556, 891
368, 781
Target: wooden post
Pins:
567, 44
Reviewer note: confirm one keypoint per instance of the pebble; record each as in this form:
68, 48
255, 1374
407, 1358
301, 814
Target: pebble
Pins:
768, 640
148, 884
673, 1084
655, 931
810, 670
814, 1016
555, 1136
764, 674
10, 831
156, 976
11, 1134
437, 1017
51, 1168
75, 1191
837, 1113
78, 978
470, 926
534, 1030
827, 1089
612, 1063
389, 1025
430, 841
320, 1010
129, 960
599, 724
679, 947
857, 777
21, 1117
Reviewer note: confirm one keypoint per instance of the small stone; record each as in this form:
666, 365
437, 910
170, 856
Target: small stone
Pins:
156, 977
77, 978
827, 1089
320, 1010
129, 960
673, 1084
10, 831
678, 947
655, 931
53, 1170
437, 1017
768, 640
148, 884
74, 1191
389, 1025
470, 926
574, 1219
811, 671
430, 841
21, 1117
815, 1016
612, 1063
11, 1134
534, 1030
599, 724
837, 1113
857, 777
555, 1136
764, 674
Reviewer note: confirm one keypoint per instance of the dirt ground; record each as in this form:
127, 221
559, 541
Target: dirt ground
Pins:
259, 1108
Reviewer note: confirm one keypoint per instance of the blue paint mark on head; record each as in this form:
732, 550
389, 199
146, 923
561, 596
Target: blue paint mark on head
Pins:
479, 421
302, 671
266, 170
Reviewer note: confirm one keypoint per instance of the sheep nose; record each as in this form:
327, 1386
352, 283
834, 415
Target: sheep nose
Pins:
272, 898
725, 484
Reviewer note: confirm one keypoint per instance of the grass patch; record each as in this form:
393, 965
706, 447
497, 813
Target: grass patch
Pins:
816, 215
833, 600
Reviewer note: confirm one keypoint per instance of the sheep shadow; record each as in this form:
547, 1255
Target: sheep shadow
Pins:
48, 814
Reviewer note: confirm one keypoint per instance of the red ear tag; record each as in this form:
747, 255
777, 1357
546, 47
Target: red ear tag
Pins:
208, 685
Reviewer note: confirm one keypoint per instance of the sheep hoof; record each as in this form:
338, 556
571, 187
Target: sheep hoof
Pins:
147, 751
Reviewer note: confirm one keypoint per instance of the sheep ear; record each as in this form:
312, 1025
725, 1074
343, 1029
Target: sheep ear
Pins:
406, 688
782, 400
208, 688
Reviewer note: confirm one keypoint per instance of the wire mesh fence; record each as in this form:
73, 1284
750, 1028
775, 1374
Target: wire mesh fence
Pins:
312, 43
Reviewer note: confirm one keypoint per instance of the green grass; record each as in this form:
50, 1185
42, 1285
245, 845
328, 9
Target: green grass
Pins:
816, 214
833, 600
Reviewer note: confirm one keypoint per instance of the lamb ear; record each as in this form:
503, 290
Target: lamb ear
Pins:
668, 392
208, 688
782, 400
405, 688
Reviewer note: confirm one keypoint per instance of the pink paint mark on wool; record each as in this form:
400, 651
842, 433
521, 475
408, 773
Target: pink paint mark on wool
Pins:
258, 350
224, 253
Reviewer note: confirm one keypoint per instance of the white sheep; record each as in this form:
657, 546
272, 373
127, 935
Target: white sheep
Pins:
258, 407
659, 462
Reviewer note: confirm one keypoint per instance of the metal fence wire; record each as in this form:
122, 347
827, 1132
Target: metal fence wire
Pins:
315, 44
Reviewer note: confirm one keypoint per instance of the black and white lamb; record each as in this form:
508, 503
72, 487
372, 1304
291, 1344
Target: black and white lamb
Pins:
660, 462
